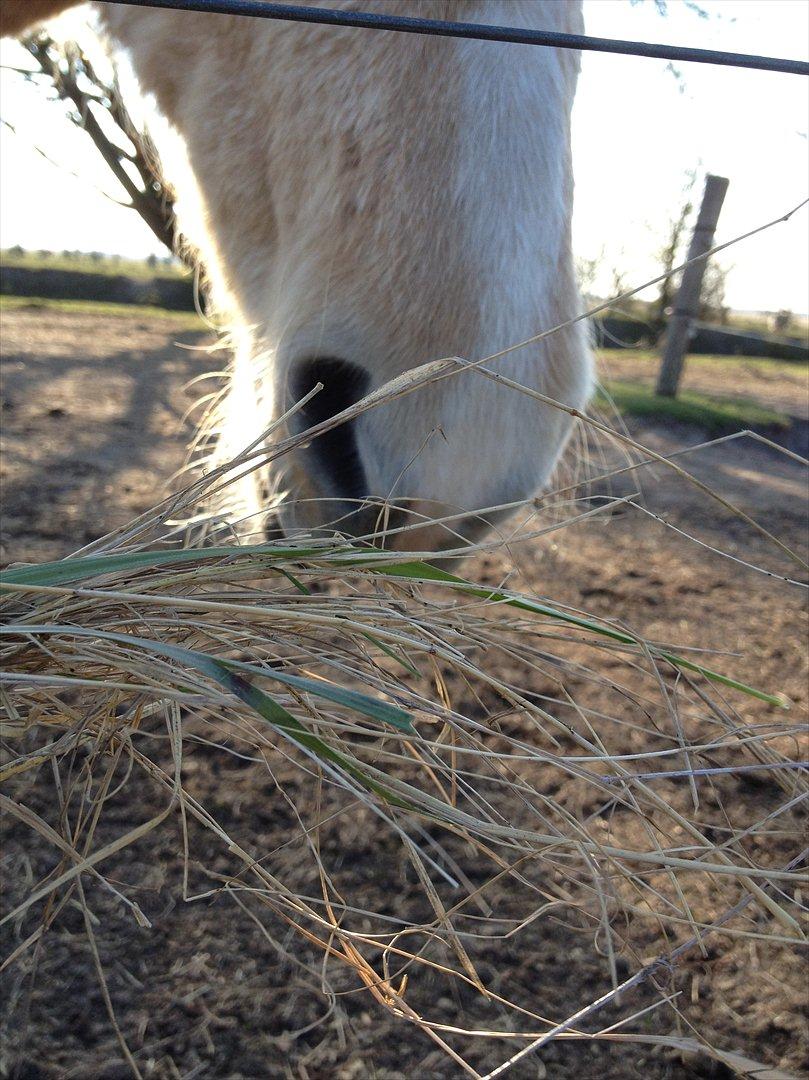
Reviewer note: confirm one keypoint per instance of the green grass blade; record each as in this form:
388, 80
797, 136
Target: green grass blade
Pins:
90, 566
221, 671
377, 710
278, 716
80, 569
423, 571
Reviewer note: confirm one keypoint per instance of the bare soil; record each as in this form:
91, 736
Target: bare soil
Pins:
92, 412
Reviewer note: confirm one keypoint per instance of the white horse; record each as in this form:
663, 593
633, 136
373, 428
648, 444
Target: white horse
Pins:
363, 202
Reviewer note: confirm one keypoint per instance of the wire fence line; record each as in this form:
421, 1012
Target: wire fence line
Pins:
258, 9
627, 294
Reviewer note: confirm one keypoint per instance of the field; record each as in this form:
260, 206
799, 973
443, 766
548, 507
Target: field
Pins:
94, 424
719, 393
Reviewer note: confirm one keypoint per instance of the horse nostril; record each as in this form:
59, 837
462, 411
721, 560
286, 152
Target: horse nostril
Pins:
332, 457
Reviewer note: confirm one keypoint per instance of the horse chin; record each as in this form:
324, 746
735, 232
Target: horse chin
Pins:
419, 526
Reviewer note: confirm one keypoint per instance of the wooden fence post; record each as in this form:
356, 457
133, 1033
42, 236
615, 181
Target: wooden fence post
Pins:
686, 304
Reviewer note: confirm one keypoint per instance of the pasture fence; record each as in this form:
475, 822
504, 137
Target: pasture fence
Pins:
686, 304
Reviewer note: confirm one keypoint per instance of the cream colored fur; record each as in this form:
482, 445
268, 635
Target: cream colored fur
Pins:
385, 199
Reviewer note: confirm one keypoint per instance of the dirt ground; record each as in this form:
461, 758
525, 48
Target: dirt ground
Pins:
92, 428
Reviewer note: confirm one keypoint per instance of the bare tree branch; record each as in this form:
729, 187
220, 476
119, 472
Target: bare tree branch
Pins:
75, 80
58, 165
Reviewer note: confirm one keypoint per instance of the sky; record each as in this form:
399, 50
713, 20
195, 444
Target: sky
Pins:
639, 129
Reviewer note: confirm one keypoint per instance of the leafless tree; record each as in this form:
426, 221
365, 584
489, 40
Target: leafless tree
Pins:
669, 256
98, 108
712, 307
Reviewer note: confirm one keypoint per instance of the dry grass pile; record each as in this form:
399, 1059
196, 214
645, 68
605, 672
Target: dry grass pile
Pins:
449, 724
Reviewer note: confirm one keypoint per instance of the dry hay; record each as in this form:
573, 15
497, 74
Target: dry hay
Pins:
443, 726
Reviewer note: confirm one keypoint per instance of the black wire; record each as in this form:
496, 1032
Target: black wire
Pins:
477, 31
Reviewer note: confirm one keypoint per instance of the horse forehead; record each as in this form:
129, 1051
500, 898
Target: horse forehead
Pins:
365, 62
262, 104
261, 56
317, 148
